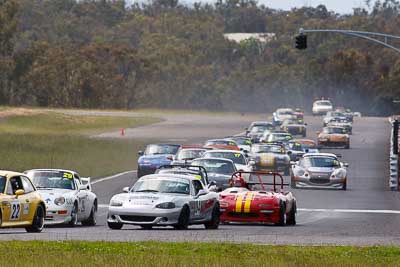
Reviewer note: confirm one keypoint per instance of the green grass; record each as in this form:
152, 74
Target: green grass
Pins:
53, 140
38, 253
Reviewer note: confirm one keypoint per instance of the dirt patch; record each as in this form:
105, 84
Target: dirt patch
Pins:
18, 112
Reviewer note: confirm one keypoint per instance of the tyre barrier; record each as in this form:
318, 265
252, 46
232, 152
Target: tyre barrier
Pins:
394, 179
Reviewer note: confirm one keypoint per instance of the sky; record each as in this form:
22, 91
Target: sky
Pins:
339, 6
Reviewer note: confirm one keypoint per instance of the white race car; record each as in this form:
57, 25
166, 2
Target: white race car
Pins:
68, 197
321, 107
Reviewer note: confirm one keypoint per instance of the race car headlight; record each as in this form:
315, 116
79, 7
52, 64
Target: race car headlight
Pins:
59, 201
116, 203
223, 204
166, 205
338, 174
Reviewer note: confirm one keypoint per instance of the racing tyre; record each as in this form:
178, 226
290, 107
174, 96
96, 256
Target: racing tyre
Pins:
291, 219
282, 214
183, 221
214, 223
286, 171
37, 222
292, 183
139, 173
114, 226
146, 227
74, 216
91, 221
344, 186
347, 146
304, 134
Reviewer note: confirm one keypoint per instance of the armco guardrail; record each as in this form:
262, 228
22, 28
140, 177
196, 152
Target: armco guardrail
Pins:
394, 155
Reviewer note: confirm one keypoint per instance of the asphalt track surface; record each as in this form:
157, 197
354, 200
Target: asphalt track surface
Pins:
366, 214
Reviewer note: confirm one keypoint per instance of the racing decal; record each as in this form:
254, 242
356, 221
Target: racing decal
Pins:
26, 208
15, 211
197, 207
237, 155
239, 200
67, 175
247, 204
267, 160
198, 177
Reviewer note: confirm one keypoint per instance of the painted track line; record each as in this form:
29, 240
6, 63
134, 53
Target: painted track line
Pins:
352, 211
112, 177
329, 210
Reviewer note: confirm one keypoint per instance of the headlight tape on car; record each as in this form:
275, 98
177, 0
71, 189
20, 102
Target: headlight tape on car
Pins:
116, 203
166, 205
59, 201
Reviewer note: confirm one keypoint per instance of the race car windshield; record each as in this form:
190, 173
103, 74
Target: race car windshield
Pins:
190, 154
266, 149
279, 137
221, 142
332, 130
242, 141
237, 158
296, 147
324, 103
320, 162
161, 149
162, 186
260, 128
2, 184
215, 166
60, 180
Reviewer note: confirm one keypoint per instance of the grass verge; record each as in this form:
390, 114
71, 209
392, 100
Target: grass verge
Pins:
75, 253
54, 140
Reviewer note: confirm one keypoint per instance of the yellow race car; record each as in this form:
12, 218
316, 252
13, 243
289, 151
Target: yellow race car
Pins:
20, 204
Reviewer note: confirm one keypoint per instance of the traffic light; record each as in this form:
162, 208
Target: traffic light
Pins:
301, 41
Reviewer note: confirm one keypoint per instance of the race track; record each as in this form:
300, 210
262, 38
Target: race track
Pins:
366, 214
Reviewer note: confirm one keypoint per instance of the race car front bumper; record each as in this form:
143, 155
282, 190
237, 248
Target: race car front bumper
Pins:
143, 216
329, 143
267, 215
57, 215
312, 182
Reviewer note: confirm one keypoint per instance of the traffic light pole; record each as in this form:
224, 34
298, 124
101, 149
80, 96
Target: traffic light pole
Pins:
360, 34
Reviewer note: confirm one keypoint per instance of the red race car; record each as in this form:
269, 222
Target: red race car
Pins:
248, 200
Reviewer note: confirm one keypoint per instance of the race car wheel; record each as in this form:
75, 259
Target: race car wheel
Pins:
183, 221
91, 221
37, 222
282, 214
139, 173
74, 216
114, 226
291, 219
347, 145
146, 227
304, 134
286, 171
344, 186
215, 218
293, 183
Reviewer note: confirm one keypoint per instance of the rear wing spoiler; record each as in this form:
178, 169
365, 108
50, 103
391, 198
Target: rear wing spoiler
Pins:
87, 181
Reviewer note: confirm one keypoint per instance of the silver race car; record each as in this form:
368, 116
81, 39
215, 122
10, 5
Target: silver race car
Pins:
68, 196
165, 200
319, 170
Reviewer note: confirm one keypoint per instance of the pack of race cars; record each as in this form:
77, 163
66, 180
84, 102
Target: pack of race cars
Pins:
237, 179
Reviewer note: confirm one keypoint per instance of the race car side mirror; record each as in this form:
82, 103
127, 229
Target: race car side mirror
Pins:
317, 132
125, 189
305, 124
289, 152
201, 193
140, 153
252, 162
345, 164
19, 192
82, 187
293, 163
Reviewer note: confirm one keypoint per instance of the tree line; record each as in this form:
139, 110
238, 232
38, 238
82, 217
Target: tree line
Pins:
162, 54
